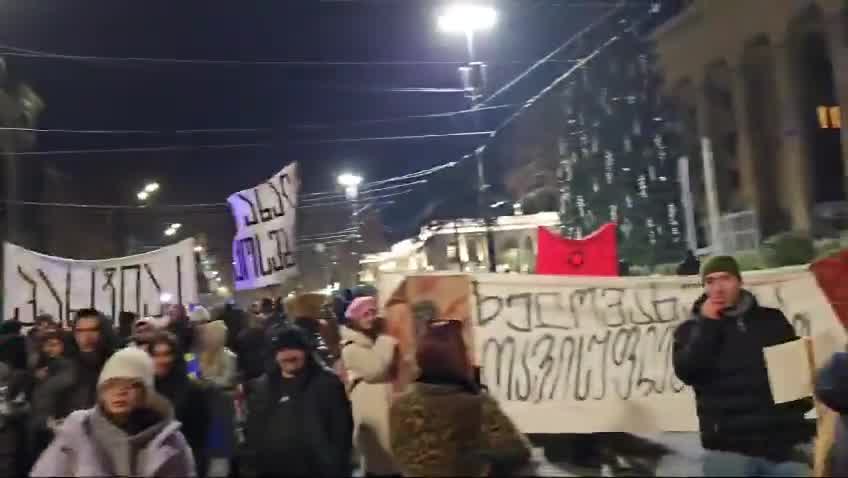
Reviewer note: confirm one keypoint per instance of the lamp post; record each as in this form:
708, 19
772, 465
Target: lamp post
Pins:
469, 19
350, 182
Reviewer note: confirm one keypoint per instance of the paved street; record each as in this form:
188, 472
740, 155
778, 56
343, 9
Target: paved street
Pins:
685, 461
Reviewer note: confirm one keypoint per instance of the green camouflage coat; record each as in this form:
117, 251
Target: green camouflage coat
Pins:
442, 430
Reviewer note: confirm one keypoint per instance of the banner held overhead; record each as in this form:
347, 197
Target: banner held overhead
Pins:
36, 284
265, 244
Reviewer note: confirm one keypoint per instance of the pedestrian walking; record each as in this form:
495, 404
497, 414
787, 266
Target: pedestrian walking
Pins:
368, 355
53, 377
93, 343
444, 425
219, 370
719, 352
130, 432
188, 397
299, 419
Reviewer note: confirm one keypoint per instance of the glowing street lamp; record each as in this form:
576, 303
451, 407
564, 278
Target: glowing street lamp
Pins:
170, 231
142, 195
176, 226
151, 187
466, 17
350, 182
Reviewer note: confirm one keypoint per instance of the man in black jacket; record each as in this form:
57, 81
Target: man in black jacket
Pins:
299, 419
719, 352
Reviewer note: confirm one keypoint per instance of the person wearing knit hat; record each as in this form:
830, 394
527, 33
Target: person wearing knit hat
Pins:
726, 264
368, 359
719, 352
130, 432
298, 416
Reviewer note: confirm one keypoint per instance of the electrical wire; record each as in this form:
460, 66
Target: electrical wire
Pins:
619, 6
150, 149
13, 51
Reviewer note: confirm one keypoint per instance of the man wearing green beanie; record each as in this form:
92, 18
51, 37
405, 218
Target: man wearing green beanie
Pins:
719, 352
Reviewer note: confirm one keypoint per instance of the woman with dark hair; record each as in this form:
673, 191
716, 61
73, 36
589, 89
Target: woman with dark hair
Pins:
444, 425
188, 397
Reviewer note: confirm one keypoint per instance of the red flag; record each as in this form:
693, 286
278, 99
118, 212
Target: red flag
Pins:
831, 273
596, 255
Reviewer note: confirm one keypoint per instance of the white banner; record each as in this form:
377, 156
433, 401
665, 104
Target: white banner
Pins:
35, 283
582, 355
265, 244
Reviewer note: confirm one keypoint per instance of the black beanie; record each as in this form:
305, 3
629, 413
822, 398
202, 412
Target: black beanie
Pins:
290, 337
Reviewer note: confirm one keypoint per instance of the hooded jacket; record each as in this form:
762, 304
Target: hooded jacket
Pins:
723, 361
88, 444
190, 401
301, 427
83, 394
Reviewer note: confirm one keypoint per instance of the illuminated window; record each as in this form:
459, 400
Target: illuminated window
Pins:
830, 117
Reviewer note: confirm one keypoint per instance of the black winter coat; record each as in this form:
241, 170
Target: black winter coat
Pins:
319, 420
723, 361
832, 390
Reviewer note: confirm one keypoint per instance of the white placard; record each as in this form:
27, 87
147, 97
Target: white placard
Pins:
265, 243
590, 354
35, 283
790, 375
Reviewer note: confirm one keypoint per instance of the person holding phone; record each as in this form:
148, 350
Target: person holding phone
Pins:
719, 352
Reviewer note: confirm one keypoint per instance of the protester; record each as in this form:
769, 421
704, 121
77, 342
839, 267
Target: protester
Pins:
179, 324
143, 330
832, 391
188, 397
305, 311
719, 352
218, 365
14, 459
368, 356
299, 418
444, 426
43, 323
130, 432
53, 378
236, 320
251, 348
93, 344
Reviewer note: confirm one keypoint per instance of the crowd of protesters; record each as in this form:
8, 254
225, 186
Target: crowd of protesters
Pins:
287, 388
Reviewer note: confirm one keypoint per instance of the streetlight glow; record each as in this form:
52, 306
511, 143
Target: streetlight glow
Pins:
176, 225
151, 187
467, 18
198, 248
349, 180
142, 195
170, 231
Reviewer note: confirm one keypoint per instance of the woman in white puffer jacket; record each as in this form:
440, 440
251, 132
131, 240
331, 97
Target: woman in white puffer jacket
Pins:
368, 356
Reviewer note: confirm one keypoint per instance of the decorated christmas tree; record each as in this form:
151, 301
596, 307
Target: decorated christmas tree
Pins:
619, 150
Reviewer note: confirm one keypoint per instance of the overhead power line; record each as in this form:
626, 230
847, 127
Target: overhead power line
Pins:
619, 6
155, 149
13, 51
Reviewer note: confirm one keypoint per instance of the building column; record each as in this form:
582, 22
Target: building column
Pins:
750, 185
837, 38
795, 170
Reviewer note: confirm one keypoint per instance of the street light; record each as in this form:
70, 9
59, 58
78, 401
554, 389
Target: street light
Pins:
151, 187
351, 184
176, 226
468, 19
142, 195
170, 231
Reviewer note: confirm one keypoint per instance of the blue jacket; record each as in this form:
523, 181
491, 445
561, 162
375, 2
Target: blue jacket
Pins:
832, 390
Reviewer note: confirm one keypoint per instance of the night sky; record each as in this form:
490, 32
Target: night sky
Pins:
167, 97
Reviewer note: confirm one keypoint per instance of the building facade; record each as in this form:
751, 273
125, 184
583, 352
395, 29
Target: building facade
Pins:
763, 80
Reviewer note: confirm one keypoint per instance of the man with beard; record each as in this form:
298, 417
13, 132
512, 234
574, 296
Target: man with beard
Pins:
93, 344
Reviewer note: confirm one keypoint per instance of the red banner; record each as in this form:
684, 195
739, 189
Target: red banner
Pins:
596, 255
831, 273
